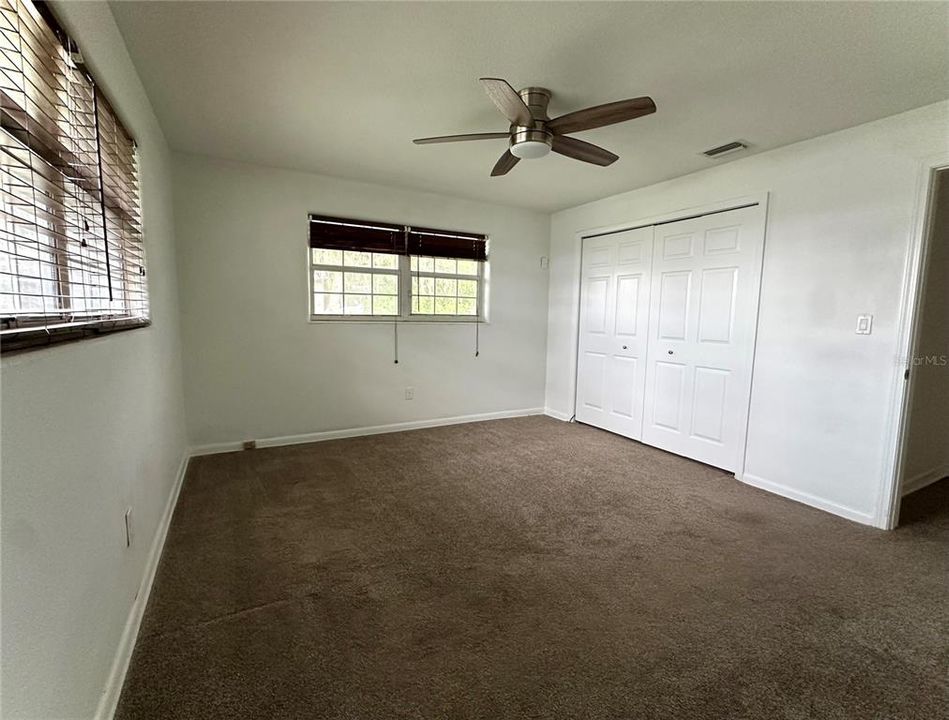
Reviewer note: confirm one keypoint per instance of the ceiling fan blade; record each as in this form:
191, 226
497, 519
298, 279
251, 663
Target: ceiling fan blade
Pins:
507, 100
504, 164
580, 150
460, 138
600, 115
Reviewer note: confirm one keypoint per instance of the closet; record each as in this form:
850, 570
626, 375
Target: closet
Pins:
668, 314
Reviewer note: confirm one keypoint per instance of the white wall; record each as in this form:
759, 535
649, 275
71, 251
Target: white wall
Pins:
927, 449
255, 366
88, 429
840, 219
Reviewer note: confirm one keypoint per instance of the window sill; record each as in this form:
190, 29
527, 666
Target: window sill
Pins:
390, 320
27, 340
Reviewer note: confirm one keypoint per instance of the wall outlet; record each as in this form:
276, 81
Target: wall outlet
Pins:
128, 527
410, 393
544, 262
250, 444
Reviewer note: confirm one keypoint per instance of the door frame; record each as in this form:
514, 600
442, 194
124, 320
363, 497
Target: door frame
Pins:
758, 199
912, 295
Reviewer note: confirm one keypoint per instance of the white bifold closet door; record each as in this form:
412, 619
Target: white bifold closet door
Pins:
702, 320
667, 325
614, 313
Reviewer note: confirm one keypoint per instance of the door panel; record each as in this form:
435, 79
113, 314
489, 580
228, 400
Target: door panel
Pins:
594, 380
614, 315
717, 305
677, 246
667, 407
598, 289
674, 304
701, 334
627, 305
624, 384
708, 403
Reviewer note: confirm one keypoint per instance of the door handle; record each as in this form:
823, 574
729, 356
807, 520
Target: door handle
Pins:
625, 348
669, 351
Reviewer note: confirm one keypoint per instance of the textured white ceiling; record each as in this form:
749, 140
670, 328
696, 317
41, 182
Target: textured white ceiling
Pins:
342, 88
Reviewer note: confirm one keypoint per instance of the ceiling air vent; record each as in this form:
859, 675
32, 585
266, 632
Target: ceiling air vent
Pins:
725, 149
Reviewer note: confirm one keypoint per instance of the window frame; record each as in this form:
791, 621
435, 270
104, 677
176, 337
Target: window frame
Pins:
479, 279
122, 250
405, 275
343, 268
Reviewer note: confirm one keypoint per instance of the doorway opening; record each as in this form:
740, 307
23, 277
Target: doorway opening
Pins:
924, 444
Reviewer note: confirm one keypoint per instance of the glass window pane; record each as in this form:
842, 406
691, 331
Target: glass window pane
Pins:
358, 283
385, 284
321, 256
467, 306
358, 304
467, 267
327, 304
468, 288
445, 265
385, 305
446, 286
357, 259
423, 264
445, 306
327, 281
426, 286
385, 261
423, 305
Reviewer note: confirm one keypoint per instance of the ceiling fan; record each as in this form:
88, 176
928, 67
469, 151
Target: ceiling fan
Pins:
532, 134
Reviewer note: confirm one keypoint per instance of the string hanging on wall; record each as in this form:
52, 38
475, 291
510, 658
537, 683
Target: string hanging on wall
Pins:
395, 328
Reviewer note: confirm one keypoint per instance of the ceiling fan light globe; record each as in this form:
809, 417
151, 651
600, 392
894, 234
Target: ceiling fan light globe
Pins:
530, 149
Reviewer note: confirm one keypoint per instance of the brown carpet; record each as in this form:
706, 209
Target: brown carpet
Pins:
530, 568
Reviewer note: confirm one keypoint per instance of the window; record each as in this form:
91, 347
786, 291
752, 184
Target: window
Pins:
71, 254
445, 286
348, 282
372, 271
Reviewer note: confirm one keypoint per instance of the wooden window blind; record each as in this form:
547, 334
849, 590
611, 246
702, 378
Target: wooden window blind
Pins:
335, 233
447, 244
71, 254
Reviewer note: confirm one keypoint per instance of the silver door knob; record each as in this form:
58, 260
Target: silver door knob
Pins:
670, 352
625, 348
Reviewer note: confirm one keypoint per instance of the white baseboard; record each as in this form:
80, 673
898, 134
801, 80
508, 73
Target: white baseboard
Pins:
123, 654
807, 499
360, 431
918, 482
557, 415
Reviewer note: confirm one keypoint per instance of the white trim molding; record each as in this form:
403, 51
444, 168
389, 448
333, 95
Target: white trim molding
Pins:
109, 700
807, 499
279, 441
924, 479
894, 463
558, 415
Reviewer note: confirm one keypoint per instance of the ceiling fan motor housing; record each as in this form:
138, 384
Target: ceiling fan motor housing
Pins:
533, 142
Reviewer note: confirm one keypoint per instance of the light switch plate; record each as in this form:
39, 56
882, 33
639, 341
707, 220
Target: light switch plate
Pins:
864, 324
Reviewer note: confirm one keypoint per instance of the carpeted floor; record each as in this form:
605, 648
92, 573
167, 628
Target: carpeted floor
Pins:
529, 568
